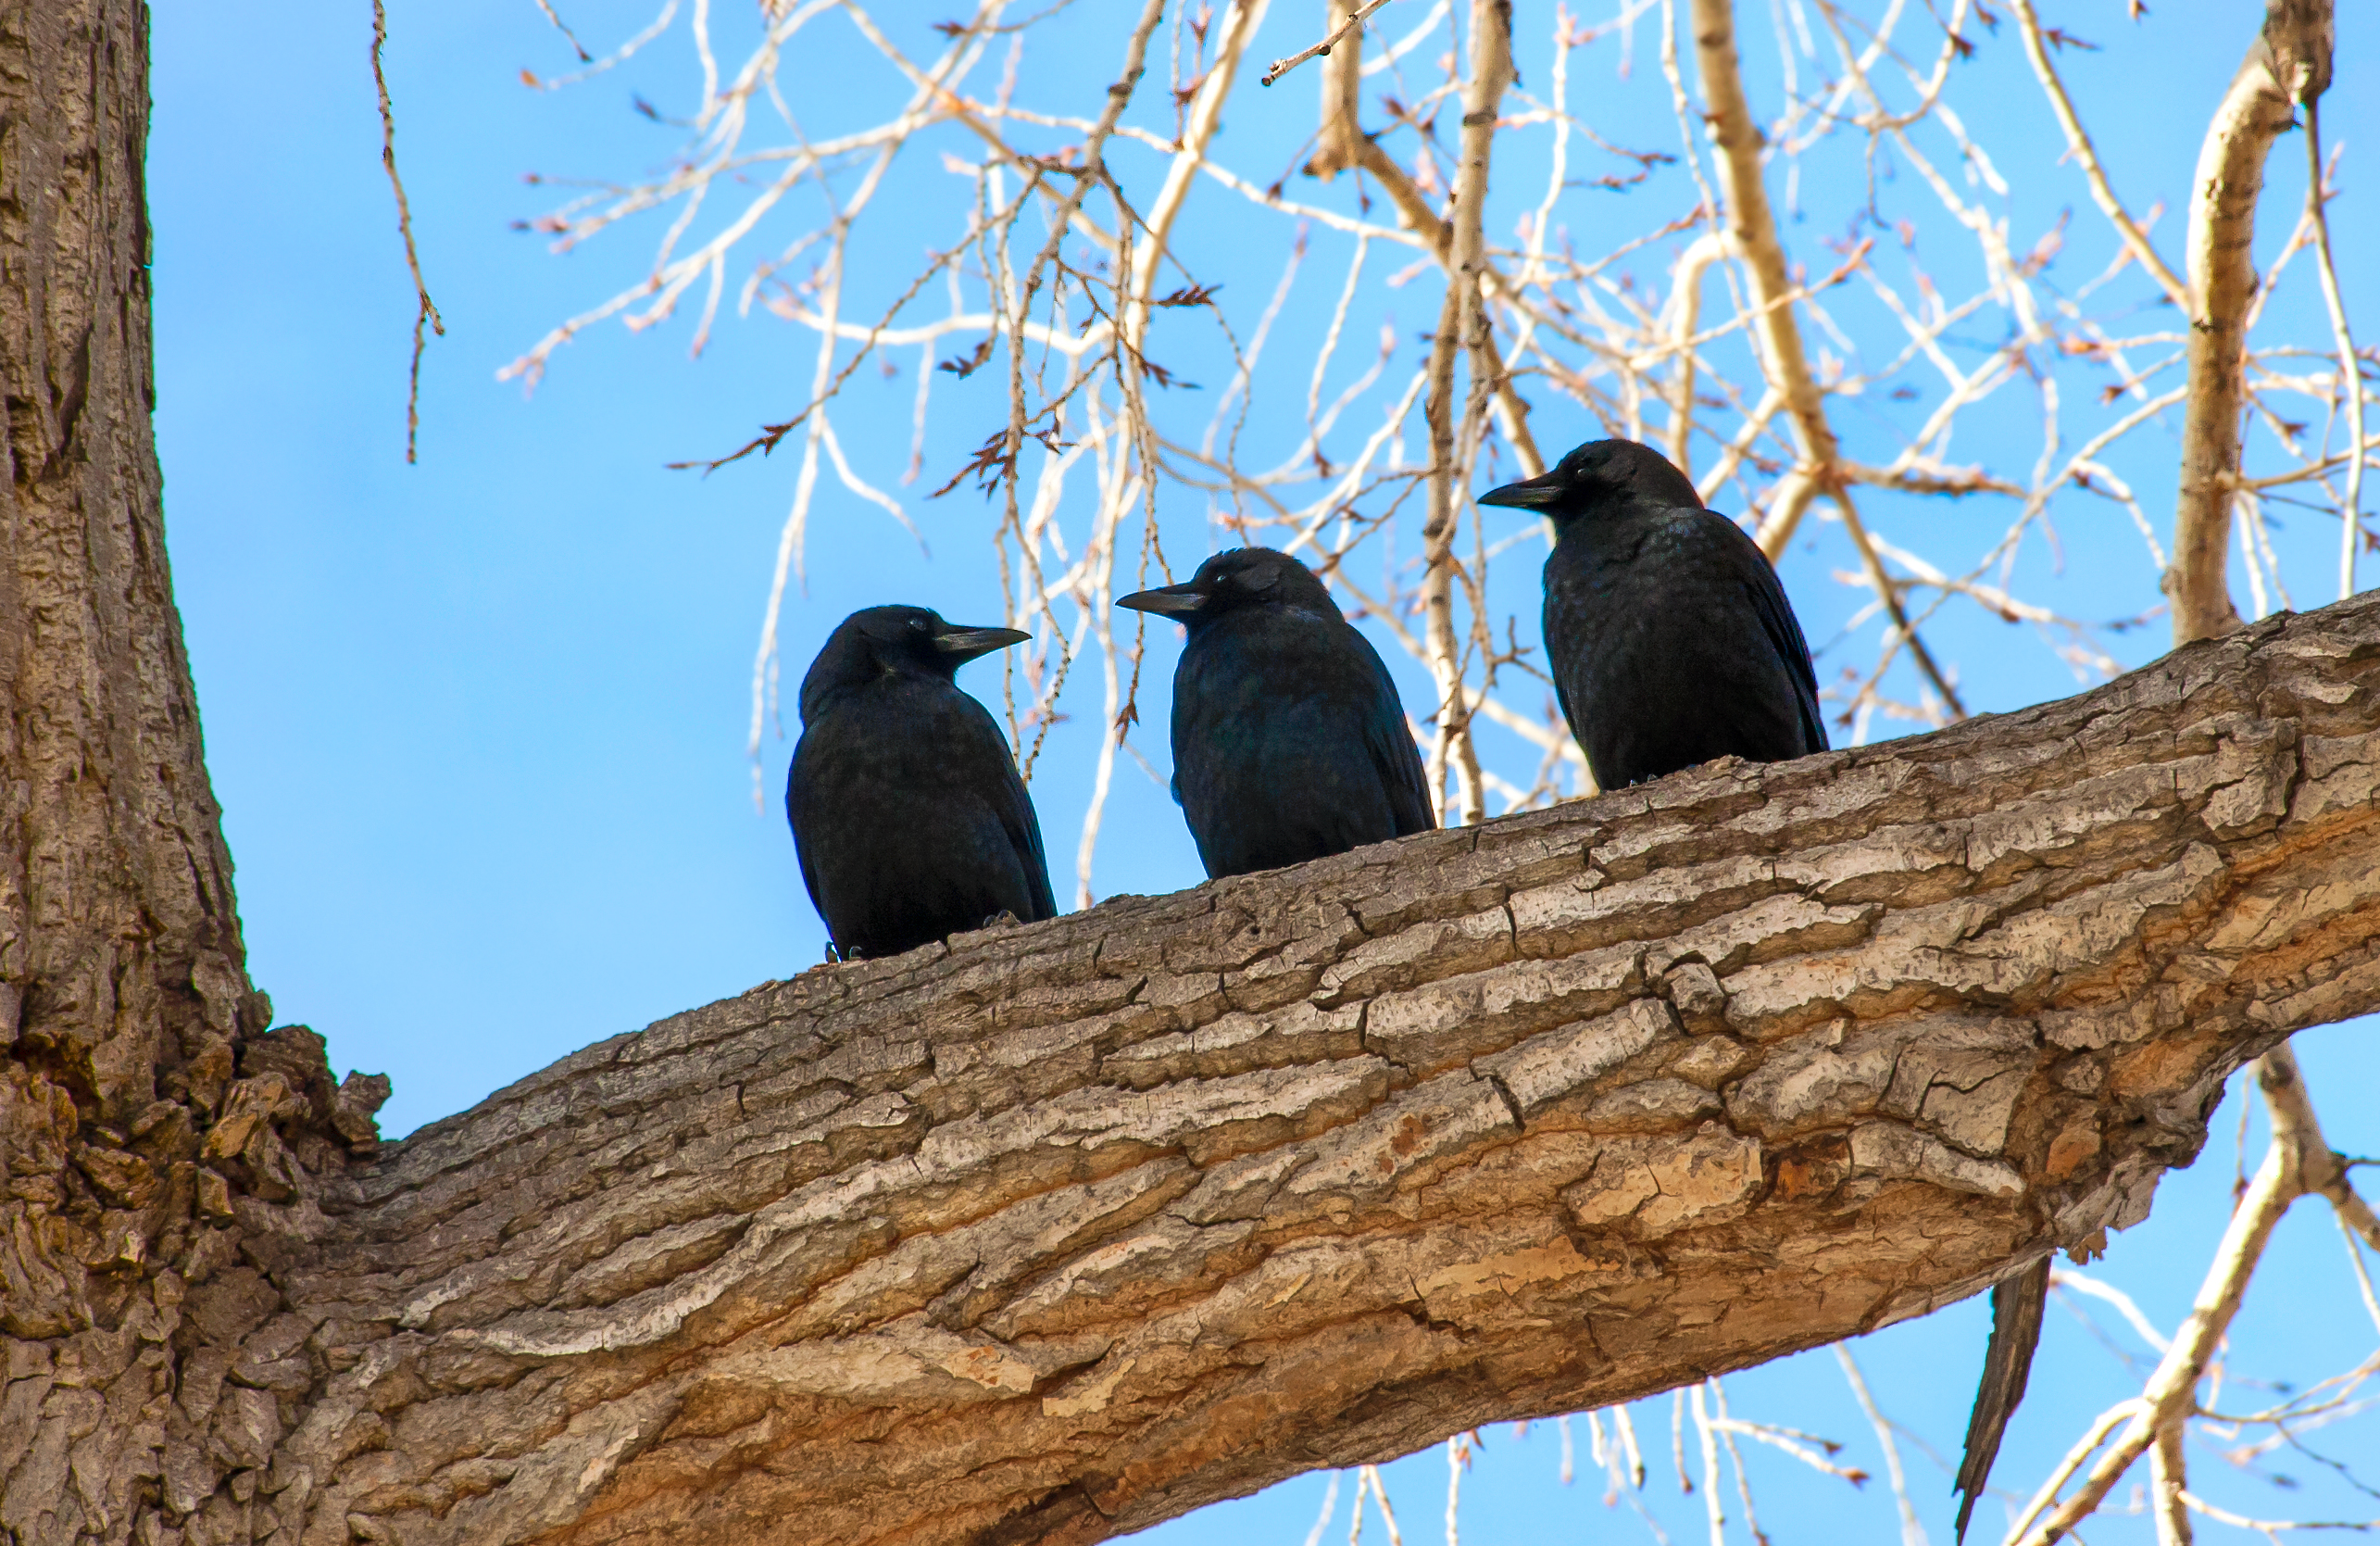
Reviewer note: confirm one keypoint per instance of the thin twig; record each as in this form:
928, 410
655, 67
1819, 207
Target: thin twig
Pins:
564, 27
1911, 1532
1283, 67
2350, 370
426, 310
2078, 145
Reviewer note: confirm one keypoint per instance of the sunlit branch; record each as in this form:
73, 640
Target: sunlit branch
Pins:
2079, 146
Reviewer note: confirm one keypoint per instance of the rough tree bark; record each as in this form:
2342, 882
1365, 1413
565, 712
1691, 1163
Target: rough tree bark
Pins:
1071, 1227
122, 983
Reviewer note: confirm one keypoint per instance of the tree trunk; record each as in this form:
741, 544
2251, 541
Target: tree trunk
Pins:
1074, 1226
123, 990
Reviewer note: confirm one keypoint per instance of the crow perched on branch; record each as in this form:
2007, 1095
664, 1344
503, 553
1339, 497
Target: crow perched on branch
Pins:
1289, 742
1669, 639
908, 813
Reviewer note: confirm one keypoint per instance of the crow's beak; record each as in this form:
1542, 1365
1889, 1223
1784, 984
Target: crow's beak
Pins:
1171, 600
1531, 494
963, 645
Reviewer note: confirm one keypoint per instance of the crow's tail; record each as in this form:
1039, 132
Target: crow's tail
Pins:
2017, 1303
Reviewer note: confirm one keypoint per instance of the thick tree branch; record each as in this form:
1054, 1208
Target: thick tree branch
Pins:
1067, 1229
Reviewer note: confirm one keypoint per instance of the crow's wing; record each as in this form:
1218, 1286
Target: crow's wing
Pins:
1783, 628
1024, 831
1009, 801
1394, 753
794, 820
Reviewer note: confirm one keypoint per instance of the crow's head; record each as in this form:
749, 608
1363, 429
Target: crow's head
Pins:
1228, 581
878, 642
1601, 476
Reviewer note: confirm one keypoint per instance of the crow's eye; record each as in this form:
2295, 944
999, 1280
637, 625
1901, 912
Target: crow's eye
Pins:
916, 625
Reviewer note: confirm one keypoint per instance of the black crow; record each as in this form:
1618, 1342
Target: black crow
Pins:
1667, 635
908, 813
1289, 742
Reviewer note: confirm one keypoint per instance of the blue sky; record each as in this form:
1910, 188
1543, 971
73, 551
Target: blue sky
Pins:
477, 724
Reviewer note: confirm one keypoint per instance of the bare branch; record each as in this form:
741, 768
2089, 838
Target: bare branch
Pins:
1352, 22
425, 310
2293, 48
2350, 370
1753, 238
1752, 234
2079, 146
1463, 322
